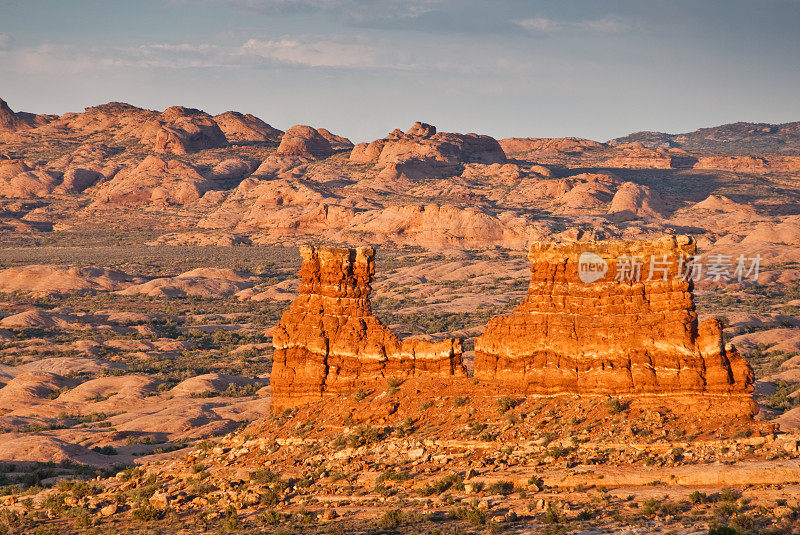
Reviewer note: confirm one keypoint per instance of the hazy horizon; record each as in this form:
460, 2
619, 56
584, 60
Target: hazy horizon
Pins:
506, 68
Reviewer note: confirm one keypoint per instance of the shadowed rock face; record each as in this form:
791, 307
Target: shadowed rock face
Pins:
328, 342
13, 121
608, 336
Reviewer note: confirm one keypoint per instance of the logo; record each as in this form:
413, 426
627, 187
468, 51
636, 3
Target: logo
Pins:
591, 267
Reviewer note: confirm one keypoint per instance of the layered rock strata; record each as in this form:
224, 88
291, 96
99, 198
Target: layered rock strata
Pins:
615, 335
329, 342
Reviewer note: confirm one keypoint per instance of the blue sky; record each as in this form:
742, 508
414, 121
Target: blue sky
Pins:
589, 68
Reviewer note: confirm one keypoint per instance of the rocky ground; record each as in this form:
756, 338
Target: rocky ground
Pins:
146, 256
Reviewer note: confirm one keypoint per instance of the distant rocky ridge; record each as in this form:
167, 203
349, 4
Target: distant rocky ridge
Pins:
193, 174
176, 130
741, 137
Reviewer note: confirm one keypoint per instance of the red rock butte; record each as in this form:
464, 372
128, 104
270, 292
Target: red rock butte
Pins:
329, 343
610, 336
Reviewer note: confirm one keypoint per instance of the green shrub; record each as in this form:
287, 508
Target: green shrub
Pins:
270, 516
393, 384
501, 487
506, 403
473, 515
437, 487
698, 497
650, 506
725, 510
146, 512
263, 476
552, 516
363, 436
392, 518
79, 489
729, 495
231, 521
614, 406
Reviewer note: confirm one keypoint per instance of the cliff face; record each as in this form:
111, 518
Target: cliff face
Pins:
608, 336
328, 342
599, 330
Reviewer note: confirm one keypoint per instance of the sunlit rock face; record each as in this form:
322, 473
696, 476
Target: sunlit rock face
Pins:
584, 330
328, 342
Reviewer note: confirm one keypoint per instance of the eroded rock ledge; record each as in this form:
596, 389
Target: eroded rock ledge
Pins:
328, 342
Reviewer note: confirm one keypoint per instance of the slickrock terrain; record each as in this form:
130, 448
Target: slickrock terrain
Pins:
304, 142
155, 334
241, 128
329, 343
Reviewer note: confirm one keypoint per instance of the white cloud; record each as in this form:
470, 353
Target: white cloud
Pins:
356, 10
59, 59
5, 41
608, 25
295, 52
313, 53
540, 24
